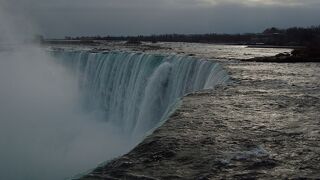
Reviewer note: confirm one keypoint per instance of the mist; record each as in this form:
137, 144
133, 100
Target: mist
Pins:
45, 133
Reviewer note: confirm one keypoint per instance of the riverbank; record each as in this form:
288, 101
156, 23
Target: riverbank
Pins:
302, 55
264, 125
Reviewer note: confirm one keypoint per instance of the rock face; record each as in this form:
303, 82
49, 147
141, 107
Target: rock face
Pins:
264, 125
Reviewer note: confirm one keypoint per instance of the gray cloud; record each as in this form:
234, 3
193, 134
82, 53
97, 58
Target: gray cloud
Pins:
57, 18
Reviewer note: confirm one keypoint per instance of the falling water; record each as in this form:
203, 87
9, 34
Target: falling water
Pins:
135, 91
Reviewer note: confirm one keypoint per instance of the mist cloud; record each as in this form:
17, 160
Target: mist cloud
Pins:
45, 132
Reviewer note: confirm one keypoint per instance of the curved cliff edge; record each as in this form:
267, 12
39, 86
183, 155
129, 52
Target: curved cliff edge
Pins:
265, 125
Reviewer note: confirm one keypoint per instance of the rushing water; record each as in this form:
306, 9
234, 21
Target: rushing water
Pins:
64, 113
134, 90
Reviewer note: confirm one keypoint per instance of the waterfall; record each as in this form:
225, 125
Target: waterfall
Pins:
136, 91
65, 112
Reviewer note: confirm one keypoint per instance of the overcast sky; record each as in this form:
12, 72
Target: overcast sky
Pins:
59, 18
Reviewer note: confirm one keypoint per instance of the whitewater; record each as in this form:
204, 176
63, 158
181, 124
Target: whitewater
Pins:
135, 91
65, 112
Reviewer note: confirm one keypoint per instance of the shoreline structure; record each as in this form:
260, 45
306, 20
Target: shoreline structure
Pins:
264, 125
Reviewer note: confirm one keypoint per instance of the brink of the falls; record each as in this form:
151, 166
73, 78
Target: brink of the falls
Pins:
65, 112
136, 91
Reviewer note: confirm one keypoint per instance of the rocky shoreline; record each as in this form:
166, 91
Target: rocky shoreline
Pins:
265, 125
300, 55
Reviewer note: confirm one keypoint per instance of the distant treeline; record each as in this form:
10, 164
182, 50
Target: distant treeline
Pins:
295, 36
